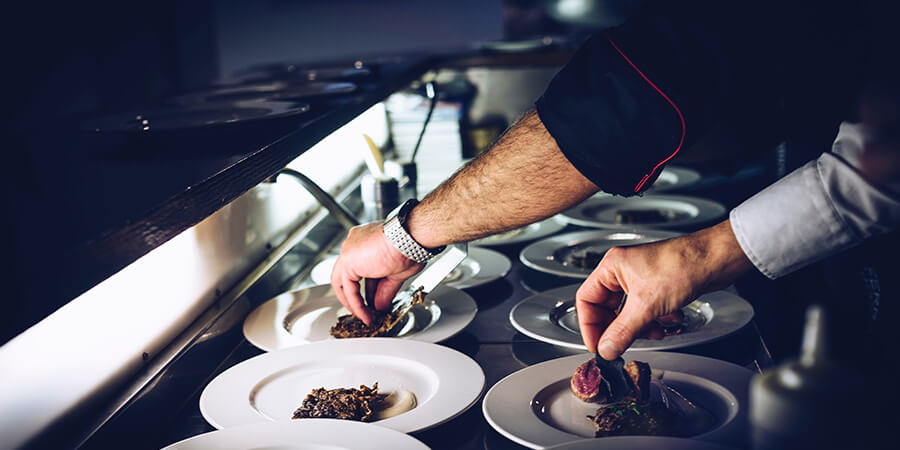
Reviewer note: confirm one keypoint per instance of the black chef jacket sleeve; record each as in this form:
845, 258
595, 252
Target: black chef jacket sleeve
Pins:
633, 96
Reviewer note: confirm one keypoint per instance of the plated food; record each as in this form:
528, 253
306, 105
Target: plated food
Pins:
364, 404
649, 408
308, 315
550, 317
536, 407
574, 255
269, 387
649, 212
383, 322
301, 435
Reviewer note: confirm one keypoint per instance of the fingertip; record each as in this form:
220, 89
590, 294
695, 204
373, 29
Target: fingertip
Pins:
620, 334
354, 303
609, 350
386, 292
363, 314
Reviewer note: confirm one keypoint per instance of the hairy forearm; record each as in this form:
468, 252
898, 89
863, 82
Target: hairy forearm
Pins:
523, 178
717, 249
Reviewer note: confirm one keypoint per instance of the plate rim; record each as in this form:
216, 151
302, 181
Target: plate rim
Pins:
709, 210
693, 364
207, 97
548, 226
442, 357
287, 431
442, 294
576, 235
566, 293
278, 109
485, 257
682, 172
657, 441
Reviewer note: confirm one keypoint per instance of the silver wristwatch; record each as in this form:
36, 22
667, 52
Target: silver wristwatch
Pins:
394, 228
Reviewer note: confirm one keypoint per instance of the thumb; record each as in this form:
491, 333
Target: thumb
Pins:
620, 334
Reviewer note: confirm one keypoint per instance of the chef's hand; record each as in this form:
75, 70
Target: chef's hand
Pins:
366, 253
658, 278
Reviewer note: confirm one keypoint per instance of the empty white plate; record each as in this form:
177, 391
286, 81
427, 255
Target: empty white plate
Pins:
674, 177
269, 387
534, 406
556, 255
306, 434
674, 211
530, 232
481, 266
550, 317
307, 315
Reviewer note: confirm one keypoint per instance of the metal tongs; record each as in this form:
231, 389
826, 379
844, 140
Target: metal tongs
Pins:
612, 373
429, 279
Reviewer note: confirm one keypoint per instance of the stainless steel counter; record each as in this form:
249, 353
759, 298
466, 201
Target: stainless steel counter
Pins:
168, 411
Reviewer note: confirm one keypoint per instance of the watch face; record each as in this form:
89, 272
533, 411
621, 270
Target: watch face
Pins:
405, 208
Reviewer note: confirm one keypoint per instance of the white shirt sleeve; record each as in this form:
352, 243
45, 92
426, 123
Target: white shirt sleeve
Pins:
818, 210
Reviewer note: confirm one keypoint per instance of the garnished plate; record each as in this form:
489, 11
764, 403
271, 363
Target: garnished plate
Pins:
269, 387
535, 408
307, 315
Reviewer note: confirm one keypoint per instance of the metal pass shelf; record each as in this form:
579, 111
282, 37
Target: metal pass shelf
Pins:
98, 201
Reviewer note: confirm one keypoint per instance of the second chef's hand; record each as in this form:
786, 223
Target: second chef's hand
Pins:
659, 278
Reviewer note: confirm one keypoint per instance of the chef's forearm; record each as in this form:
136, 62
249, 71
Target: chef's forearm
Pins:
523, 178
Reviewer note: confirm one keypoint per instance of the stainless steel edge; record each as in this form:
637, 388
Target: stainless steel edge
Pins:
222, 305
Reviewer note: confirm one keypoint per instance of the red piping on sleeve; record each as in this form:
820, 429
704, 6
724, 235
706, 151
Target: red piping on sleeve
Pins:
683, 128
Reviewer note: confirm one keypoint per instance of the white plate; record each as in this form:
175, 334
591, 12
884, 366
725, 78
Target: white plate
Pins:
527, 233
551, 255
535, 408
481, 266
516, 46
550, 317
167, 118
600, 211
674, 177
307, 315
306, 434
645, 443
269, 387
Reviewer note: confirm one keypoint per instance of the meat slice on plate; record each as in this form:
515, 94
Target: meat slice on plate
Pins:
639, 374
586, 383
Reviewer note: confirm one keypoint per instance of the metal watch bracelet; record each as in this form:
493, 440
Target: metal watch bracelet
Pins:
396, 234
